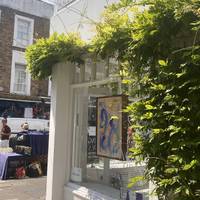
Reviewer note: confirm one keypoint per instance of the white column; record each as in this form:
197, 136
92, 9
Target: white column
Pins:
60, 136
80, 133
82, 73
84, 131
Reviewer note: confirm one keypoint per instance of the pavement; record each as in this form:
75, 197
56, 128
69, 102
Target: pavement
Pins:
23, 189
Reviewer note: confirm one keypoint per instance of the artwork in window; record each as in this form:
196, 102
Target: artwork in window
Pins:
20, 82
112, 127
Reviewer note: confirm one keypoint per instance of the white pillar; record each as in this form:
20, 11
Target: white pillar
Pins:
82, 73
84, 131
80, 131
60, 136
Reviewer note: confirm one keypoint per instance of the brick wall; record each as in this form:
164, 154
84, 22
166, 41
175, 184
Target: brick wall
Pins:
6, 39
41, 29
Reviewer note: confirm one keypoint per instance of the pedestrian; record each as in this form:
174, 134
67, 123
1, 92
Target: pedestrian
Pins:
5, 133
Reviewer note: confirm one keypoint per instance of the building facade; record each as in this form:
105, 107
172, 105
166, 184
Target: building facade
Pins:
21, 23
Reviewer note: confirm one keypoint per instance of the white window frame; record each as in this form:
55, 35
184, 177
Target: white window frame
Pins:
0, 16
49, 87
16, 42
18, 57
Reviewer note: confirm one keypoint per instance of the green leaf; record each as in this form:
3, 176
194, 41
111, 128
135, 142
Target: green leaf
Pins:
190, 165
157, 131
172, 170
134, 180
173, 158
178, 75
149, 107
162, 63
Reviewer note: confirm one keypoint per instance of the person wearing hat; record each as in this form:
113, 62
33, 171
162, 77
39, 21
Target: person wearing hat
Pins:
25, 126
20, 138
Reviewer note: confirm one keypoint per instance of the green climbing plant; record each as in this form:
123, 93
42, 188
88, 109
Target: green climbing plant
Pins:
46, 52
157, 43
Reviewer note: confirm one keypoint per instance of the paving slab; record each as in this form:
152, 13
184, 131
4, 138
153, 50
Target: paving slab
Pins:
23, 189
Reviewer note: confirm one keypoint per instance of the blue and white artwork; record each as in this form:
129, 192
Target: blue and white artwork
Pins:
109, 127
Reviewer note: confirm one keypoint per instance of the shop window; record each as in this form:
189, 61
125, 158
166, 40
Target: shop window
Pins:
109, 175
23, 34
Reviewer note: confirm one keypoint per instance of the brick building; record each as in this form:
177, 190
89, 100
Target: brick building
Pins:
21, 23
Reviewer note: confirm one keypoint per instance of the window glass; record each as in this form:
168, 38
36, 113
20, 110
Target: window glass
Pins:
23, 31
20, 79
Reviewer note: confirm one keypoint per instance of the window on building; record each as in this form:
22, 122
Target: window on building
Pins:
23, 35
20, 81
23, 30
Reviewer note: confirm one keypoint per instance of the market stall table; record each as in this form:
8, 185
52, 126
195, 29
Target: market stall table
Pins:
38, 141
5, 159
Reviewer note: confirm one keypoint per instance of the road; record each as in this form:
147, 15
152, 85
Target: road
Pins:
23, 189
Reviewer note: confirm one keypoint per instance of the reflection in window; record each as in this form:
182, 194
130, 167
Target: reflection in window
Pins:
23, 31
16, 109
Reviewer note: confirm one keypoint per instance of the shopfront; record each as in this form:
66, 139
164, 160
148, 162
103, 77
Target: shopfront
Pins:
74, 170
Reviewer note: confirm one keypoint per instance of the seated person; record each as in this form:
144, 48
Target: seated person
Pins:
25, 127
5, 133
20, 138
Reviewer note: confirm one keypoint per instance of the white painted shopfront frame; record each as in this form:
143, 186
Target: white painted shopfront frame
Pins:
61, 142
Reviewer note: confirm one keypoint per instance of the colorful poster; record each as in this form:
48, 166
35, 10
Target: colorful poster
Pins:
111, 127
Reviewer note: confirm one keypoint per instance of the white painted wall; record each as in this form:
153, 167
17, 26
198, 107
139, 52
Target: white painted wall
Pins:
60, 137
79, 17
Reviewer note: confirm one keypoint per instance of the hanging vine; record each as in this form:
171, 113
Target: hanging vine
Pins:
46, 52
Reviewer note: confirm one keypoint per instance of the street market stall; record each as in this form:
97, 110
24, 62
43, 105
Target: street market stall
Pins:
27, 155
